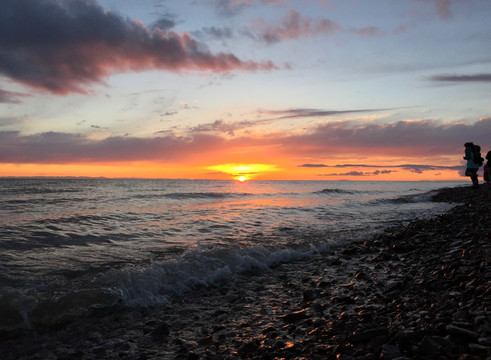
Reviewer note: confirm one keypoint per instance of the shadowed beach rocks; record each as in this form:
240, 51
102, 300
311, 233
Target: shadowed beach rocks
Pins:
416, 291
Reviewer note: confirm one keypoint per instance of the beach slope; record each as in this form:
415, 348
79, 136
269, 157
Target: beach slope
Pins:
416, 291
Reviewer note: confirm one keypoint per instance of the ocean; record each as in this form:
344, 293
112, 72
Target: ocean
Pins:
69, 246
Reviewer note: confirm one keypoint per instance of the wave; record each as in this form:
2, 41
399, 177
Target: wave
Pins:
156, 284
336, 191
203, 195
406, 199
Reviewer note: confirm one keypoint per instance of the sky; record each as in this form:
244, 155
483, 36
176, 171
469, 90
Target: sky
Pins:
263, 89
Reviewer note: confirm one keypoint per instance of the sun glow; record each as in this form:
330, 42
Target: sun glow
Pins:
243, 172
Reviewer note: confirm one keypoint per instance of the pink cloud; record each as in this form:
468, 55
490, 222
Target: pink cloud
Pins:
11, 97
442, 7
294, 26
65, 47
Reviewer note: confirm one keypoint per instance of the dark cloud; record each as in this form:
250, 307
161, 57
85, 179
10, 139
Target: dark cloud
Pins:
54, 148
214, 33
98, 127
378, 172
67, 46
409, 139
360, 173
461, 78
313, 165
402, 138
164, 23
404, 166
353, 173
410, 167
223, 127
302, 113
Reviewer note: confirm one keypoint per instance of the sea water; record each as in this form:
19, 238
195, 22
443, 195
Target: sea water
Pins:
71, 245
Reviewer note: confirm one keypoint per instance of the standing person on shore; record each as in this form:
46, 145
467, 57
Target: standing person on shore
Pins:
472, 164
487, 169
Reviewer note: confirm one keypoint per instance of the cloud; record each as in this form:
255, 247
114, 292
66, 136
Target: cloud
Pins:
378, 172
421, 139
60, 148
229, 8
11, 97
214, 33
274, 2
461, 78
7, 121
360, 173
164, 23
222, 127
442, 7
370, 31
402, 138
349, 173
293, 26
302, 113
65, 47
415, 168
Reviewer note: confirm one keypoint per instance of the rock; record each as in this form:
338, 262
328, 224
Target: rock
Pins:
390, 352
429, 346
459, 331
248, 348
294, 316
478, 349
309, 295
206, 341
368, 335
161, 331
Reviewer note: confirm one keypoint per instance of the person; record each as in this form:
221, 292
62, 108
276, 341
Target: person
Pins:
487, 169
472, 167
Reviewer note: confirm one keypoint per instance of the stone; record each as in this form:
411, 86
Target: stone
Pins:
390, 352
459, 331
368, 335
294, 316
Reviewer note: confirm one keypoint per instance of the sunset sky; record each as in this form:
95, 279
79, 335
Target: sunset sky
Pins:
265, 89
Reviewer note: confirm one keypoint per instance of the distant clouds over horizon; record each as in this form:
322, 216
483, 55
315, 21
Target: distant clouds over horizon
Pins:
418, 139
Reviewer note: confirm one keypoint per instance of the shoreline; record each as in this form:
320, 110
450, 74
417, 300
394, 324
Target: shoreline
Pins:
416, 291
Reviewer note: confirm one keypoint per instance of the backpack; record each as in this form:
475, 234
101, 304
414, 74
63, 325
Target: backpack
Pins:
477, 158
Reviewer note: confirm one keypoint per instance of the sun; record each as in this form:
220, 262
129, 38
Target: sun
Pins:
243, 172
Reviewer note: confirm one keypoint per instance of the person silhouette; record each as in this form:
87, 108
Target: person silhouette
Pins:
487, 169
472, 167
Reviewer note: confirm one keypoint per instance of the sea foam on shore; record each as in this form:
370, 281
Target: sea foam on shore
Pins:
419, 291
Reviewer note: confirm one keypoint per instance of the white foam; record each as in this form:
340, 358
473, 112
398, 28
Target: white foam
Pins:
159, 282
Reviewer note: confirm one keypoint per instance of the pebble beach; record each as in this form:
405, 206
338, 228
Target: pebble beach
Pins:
416, 291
